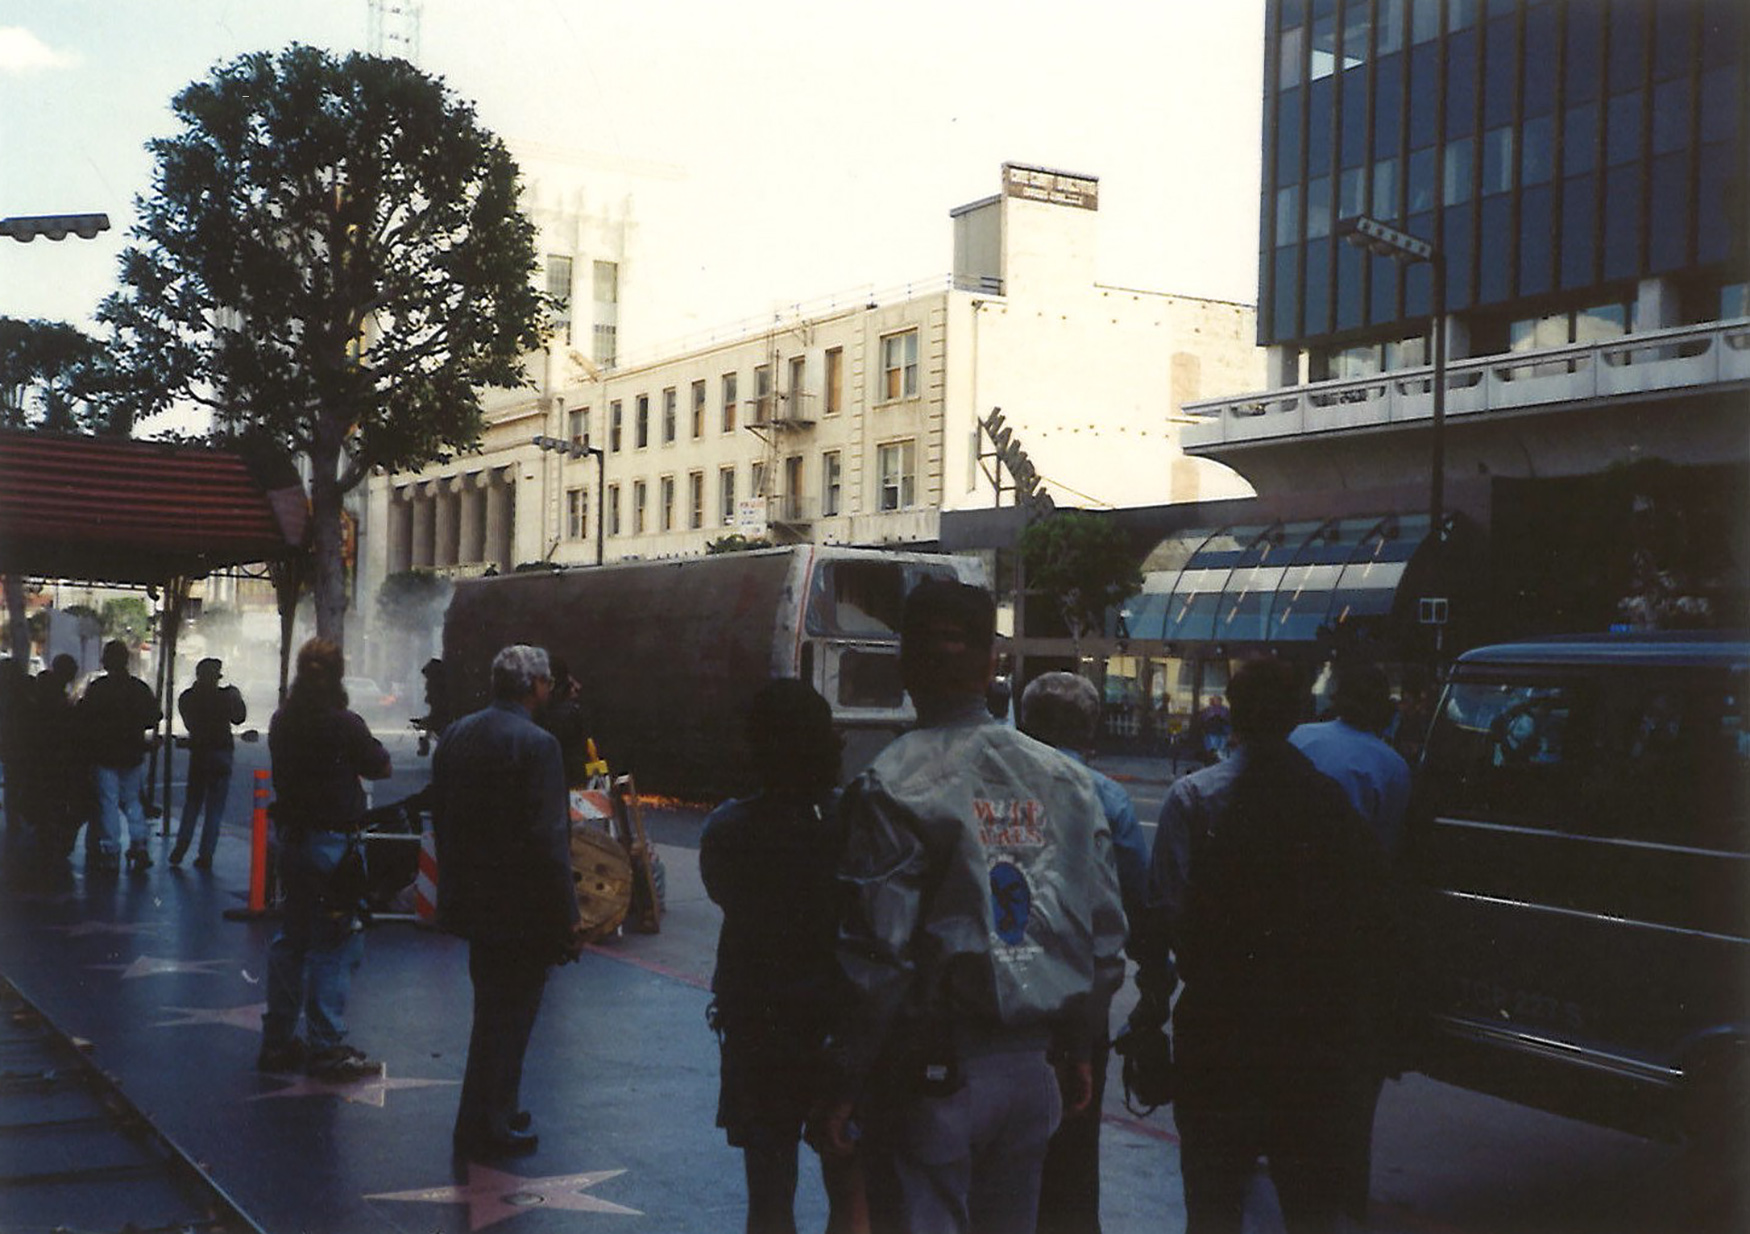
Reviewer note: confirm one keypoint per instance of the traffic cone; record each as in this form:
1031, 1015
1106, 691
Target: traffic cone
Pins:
425, 881
257, 855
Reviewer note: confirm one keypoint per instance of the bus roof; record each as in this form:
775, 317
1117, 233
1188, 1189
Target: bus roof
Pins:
1670, 649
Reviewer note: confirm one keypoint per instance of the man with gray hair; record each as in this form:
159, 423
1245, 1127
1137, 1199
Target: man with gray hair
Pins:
502, 823
1063, 710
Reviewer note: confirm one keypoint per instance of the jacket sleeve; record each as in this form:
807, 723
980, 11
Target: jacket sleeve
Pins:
1151, 938
1110, 928
550, 809
882, 874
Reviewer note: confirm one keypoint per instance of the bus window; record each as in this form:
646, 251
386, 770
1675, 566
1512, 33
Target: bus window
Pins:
1504, 752
869, 679
864, 599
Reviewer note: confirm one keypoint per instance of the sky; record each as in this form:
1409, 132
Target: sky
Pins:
793, 148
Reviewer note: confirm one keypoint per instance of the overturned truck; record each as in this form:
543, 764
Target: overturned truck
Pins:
669, 653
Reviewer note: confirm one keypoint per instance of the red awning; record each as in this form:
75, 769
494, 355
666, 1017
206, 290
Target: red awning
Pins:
117, 510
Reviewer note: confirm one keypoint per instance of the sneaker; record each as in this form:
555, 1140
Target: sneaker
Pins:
340, 1063
278, 1058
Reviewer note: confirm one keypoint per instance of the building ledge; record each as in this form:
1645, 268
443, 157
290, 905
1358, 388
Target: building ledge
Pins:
1688, 359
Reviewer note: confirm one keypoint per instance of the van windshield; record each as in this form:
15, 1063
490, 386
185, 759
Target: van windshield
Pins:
863, 599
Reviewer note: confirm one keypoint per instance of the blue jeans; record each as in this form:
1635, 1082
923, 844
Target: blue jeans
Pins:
118, 796
209, 784
311, 960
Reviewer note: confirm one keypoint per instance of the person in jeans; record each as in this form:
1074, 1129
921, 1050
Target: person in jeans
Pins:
319, 750
116, 717
208, 711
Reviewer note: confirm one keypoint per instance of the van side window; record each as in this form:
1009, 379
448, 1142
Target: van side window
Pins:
1507, 752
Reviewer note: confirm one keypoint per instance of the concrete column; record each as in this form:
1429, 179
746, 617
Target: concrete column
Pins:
448, 522
424, 511
472, 545
1281, 367
1657, 305
399, 533
499, 496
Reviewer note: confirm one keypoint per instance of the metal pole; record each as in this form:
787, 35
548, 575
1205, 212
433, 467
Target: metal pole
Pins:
1437, 477
601, 500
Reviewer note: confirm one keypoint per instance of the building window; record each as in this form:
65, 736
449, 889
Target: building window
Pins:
729, 402
638, 496
698, 409
756, 480
895, 464
666, 497
641, 422
832, 478
607, 344
668, 416
607, 313
616, 422
726, 496
834, 393
762, 394
579, 426
559, 288
613, 511
899, 366
695, 500
576, 514
793, 487
798, 375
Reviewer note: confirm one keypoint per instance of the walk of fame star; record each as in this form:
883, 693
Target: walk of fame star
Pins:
152, 966
493, 1196
248, 1017
371, 1090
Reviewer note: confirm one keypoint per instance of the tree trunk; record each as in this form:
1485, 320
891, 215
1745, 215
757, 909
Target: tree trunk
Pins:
329, 570
16, 620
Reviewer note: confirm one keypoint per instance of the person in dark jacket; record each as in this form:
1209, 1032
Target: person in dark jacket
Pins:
319, 750
1269, 891
502, 823
115, 719
208, 711
61, 795
563, 716
770, 861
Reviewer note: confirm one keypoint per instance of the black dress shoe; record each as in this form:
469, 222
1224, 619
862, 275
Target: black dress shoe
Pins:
486, 1146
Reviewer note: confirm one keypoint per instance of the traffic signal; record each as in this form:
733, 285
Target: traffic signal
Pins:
27, 227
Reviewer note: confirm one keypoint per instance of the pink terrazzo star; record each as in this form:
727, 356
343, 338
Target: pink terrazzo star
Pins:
493, 1196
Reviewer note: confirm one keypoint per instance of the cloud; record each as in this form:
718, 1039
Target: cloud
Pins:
22, 52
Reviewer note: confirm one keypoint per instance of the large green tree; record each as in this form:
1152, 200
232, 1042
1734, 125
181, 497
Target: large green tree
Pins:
332, 259
1082, 562
51, 374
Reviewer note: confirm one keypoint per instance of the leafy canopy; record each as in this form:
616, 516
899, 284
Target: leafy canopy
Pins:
1082, 561
332, 253
50, 377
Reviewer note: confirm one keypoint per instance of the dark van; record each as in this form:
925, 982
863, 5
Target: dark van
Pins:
1579, 859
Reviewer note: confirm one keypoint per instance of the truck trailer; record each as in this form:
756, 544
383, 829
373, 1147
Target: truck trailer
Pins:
670, 653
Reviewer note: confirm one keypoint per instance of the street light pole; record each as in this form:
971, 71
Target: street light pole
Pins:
583, 449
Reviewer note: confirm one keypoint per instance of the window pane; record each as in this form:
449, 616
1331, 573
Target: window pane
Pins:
1419, 278
1353, 193
1585, 50
1288, 136
1421, 182
1715, 197
1622, 222
1719, 105
1288, 214
1495, 275
1349, 304
1382, 289
1424, 20
1324, 46
1580, 140
1497, 160
1456, 173
1318, 208
1389, 35
1424, 99
1385, 189
1318, 287
1540, 58
1357, 33
1622, 141
1536, 253
1671, 116
1537, 154
1290, 49
1285, 293
1354, 151
1579, 231
1461, 86
1628, 46
1320, 101
1388, 106
1499, 80
1668, 243
1459, 231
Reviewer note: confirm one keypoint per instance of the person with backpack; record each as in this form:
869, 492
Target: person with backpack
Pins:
1267, 900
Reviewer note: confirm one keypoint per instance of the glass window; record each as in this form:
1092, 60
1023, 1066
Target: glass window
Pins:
1600, 321
1497, 160
1421, 182
1350, 263
1288, 214
1628, 46
1320, 100
1385, 189
1388, 106
832, 479
1499, 51
1579, 231
1585, 53
698, 424
1673, 40
1502, 752
1580, 140
799, 409
1354, 135
668, 416
835, 381
726, 496
638, 504
1288, 136
1352, 193
641, 422
1389, 34
1324, 46
1424, 20
1719, 105
1668, 243
1318, 287
1671, 116
1622, 222
1537, 151
576, 514
1290, 49
1622, 134
729, 402
1419, 276
1459, 230
1496, 275
666, 489
762, 393
579, 425
1460, 13
1382, 289
613, 511
1536, 252
895, 468
616, 419
695, 500
1540, 58
1357, 33
1424, 98
1461, 85
607, 282
1318, 208
1715, 235
1285, 293
1455, 180
1734, 301
1722, 23
899, 366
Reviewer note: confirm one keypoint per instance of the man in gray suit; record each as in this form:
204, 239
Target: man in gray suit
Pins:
504, 884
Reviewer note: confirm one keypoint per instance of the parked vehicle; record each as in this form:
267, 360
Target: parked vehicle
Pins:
1579, 861
670, 652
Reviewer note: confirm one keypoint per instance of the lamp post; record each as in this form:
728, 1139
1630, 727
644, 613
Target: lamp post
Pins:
26, 227
1383, 241
575, 449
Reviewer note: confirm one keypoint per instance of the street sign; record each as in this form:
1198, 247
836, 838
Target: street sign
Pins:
750, 517
1433, 610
